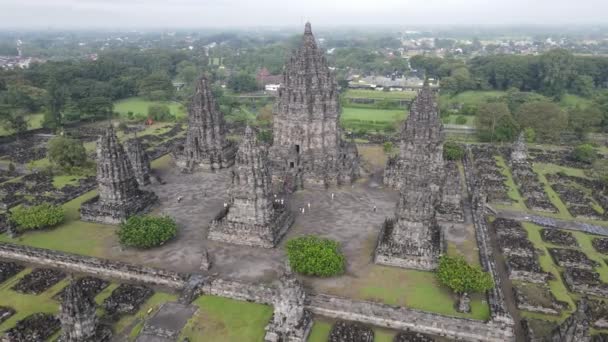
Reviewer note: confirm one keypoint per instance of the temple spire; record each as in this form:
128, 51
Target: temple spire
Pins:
307, 28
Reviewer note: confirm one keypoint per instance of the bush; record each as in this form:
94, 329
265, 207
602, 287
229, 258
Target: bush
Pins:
452, 151
314, 256
146, 231
66, 153
585, 153
37, 217
461, 120
460, 277
160, 112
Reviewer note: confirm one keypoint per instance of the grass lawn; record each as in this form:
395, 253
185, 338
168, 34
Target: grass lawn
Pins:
322, 328
570, 100
34, 121
557, 286
72, 236
513, 192
470, 97
376, 94
470, 120
415, 289
379, 115
25, 304
227, 320
138, 105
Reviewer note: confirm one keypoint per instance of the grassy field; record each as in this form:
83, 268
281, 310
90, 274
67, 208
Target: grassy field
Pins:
570, 100
138, 105
227, 320
378, 115
557, 286
452, 120
34, 121
375, 94
470, 97
513, 192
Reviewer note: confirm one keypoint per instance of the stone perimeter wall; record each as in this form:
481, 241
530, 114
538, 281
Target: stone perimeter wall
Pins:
360, 311
496, 298
93, 266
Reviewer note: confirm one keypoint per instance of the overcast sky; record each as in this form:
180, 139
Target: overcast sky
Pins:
246, 13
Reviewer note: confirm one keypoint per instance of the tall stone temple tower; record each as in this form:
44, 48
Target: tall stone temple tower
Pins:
421, 146
308, 146
206, 145
413, 239
139, 161
253, 215
119, 194
78, 318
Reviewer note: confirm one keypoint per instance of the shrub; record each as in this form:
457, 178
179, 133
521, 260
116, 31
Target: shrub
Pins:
387, 147
146, 231
311, 255
452, 151
461, 120
584, 153
460, 277
66, 153
37, 217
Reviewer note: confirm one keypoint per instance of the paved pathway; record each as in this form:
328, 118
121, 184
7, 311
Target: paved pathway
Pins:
551, 222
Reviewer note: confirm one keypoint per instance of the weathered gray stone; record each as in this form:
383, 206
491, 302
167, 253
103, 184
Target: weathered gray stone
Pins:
253, 216
206, 145
308, 147
519, 151
575, 328
119, 194
450, 207
139, 161
291, 322
78, 317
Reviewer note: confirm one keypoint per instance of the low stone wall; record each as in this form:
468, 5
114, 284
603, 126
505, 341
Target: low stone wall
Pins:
496, 298
249, 292
93, 266
403, 318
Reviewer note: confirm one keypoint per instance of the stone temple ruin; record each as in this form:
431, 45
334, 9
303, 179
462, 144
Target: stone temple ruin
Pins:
252, 217
119, 194
139, 161
308, 146
414, 239
78, 318
206, 145
291, 322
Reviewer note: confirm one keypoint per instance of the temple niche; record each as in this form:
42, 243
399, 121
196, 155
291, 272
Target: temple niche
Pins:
206, 146
119, 195
139, 161
252, 216
308, 147
413, 239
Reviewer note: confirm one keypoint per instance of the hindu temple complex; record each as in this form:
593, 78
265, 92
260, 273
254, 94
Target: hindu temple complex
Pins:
308, 147
252, 216
119, 194
139, 161
206, 145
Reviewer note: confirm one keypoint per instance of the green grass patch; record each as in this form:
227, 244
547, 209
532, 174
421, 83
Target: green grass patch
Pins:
417, 290
60, 181
152, 303
34, 121
513, 192
26, 304
571, 100
377, 115
542, 170
73, 235
139, 105
227, 320
381, 95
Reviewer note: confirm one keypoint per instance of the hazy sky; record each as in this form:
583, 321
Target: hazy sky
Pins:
241, 13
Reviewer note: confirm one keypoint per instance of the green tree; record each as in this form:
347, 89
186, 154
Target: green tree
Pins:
461, 277
66, 153
388, 147
583, 85
529, 135
452, 151
585, 153
600, 171
547, 119
311, 255
495, 123
156, 87
584, 119
242, 83
160, 112
556, 70
96, 107
56, 99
